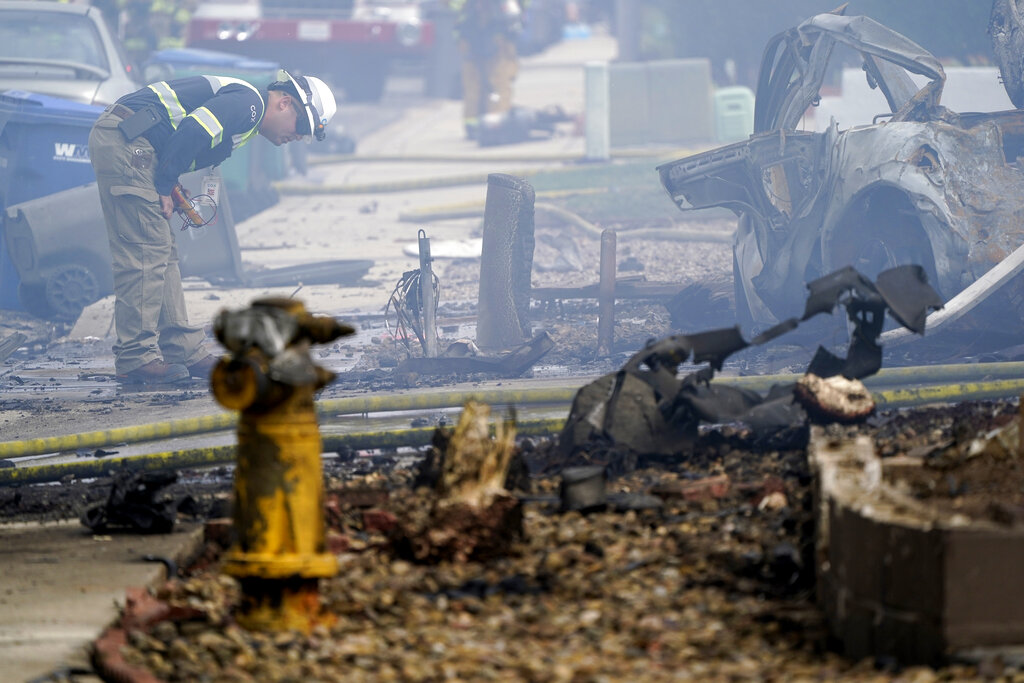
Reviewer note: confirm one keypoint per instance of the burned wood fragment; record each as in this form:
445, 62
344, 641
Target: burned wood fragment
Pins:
471, 513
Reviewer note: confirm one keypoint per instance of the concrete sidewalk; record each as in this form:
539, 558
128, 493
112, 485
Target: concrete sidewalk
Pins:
60, 586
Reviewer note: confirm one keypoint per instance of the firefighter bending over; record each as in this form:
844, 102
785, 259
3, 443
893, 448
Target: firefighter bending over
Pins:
138, 147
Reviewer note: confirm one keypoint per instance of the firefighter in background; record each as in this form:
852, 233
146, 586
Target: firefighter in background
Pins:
137, 35
487, 32
169, 20
152, 25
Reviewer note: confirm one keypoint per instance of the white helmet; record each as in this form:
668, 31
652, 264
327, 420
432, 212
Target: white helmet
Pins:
316, 98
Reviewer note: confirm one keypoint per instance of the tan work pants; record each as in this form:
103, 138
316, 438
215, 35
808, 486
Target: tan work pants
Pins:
491, 79
149, 308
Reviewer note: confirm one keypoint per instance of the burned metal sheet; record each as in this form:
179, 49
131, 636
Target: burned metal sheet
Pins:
827, 291
825, 363
909, 296
644, 406
715, 346
510, 364
715, 403
787, 325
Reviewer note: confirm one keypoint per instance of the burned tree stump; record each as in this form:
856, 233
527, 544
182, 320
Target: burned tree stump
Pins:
471, 515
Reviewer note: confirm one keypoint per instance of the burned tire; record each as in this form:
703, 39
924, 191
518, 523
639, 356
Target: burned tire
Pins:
1006, 27
69, 288
878, 231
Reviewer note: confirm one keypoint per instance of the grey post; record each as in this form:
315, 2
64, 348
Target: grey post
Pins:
597, 125
606, 295
427, 298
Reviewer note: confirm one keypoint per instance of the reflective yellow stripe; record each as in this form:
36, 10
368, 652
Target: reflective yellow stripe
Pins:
239, 140
205, 118
218, 82
169, 98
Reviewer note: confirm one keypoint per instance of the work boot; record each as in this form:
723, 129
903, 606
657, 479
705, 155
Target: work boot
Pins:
202, 368
155, 372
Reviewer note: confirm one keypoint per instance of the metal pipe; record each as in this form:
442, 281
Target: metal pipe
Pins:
964, 302
427, 302
606, 296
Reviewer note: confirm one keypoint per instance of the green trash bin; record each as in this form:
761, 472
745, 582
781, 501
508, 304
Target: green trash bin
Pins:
734, 113
250, 171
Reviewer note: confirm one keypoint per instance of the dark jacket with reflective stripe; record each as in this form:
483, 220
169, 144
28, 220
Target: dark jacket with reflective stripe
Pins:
202, 119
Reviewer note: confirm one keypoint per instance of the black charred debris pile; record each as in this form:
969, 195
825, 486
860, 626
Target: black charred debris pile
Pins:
688, 557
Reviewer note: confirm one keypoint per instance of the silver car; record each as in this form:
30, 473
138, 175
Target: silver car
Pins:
62, 50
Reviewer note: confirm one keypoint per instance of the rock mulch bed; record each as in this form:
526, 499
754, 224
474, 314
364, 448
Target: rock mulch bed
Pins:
698, 569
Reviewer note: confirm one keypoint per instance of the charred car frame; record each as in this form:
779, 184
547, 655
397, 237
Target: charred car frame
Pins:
920, 185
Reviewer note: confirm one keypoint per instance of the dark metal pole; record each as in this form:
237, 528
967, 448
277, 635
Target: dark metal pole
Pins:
427, 298
606, 295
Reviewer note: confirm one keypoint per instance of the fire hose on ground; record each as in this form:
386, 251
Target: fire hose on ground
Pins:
223, 455
935, 384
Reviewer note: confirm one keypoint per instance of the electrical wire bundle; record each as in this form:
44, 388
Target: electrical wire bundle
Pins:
408, 307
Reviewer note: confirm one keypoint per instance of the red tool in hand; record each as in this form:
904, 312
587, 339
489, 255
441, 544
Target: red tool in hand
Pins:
184, 206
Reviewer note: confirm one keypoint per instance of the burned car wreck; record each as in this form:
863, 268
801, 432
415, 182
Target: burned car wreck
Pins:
920, 185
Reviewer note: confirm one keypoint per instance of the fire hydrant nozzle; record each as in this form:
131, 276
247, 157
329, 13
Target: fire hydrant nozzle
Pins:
280, 552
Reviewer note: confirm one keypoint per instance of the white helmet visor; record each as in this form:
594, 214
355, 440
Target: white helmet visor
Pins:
317, 122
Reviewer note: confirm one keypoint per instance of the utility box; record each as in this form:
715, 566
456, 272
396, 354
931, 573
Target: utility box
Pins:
734, 113
660, 102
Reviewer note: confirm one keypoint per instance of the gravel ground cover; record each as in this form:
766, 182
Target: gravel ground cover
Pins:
709, 580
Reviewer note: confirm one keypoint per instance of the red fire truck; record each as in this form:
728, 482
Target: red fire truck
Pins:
354, 44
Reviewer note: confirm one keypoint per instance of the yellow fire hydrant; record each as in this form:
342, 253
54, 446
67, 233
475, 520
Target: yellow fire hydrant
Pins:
279, 553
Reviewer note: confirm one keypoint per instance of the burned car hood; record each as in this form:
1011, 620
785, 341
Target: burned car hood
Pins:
795, 63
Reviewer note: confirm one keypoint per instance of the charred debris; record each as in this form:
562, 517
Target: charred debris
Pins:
645, 408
